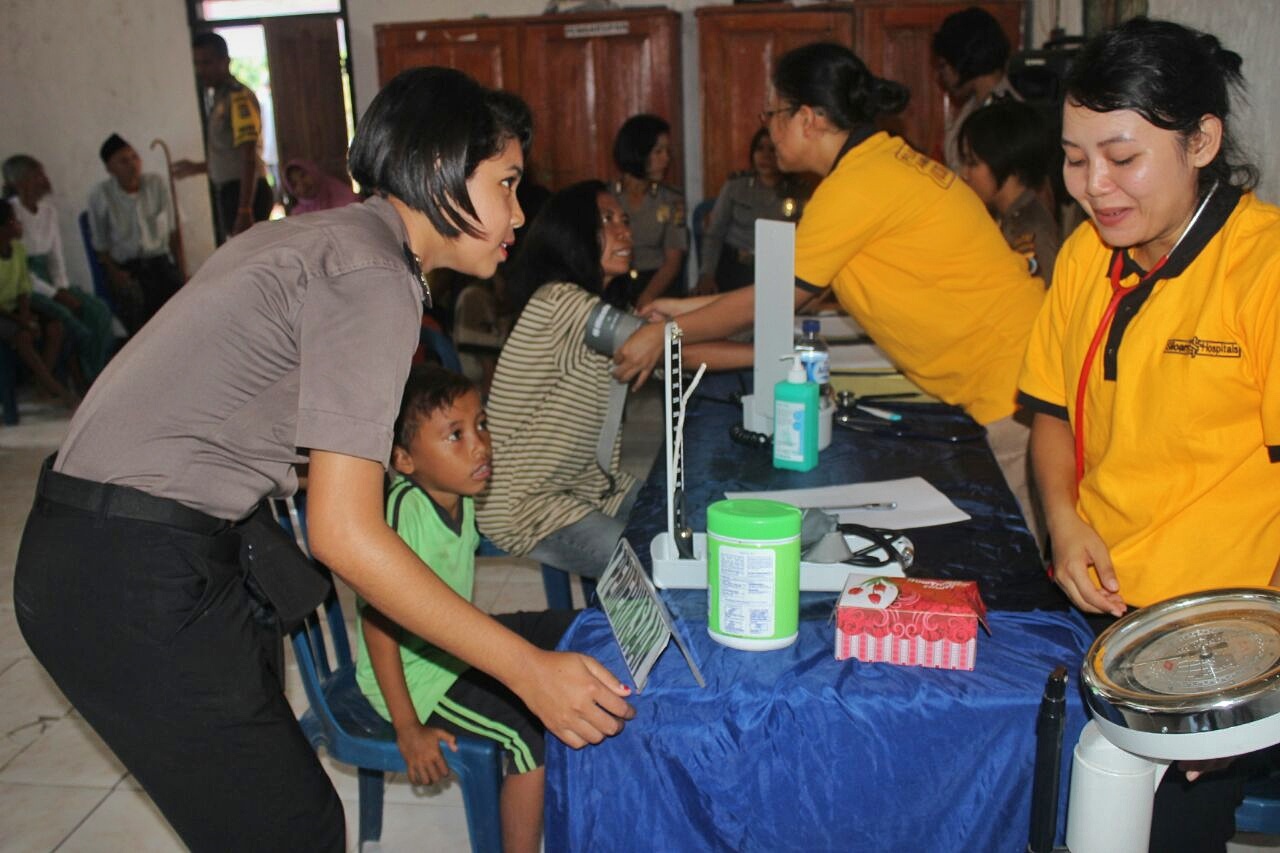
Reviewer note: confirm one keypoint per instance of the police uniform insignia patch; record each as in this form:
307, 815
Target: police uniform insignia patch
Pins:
678, 213
664, 212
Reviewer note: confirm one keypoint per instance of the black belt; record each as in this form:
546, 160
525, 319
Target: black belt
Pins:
109, 501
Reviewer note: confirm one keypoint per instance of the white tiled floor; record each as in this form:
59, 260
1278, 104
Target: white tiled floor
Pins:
61, 788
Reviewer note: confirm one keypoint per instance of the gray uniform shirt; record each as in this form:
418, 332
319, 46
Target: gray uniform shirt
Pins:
234, 118
657, 224
131, 225
741, 202
296, 335
1027, 215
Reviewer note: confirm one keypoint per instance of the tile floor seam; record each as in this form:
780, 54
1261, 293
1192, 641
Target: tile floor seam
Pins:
82, 820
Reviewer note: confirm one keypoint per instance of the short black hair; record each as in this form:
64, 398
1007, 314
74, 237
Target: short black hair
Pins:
563, 244
428, 389
15, 169
636, 138
972, 42
1170, 75
424, 135
830, 77
211, 41
1012, 138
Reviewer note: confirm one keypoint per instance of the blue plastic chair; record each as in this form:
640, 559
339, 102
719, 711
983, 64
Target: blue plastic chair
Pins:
1260, 811
555, 582
342, 721
442, 345
99, 275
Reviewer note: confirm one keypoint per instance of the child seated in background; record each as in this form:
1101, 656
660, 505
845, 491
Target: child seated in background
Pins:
441, 456
1006, 154
19, 326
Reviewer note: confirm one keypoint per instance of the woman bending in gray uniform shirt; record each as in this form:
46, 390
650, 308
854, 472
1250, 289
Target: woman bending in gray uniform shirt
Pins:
293, 342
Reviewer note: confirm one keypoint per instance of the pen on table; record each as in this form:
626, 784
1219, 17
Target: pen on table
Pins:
878, 412
873, 505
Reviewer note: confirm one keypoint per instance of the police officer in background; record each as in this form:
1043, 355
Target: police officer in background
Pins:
726, 256
233, 141
642, 152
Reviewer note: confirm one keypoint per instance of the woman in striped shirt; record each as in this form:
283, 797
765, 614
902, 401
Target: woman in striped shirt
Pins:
549, 499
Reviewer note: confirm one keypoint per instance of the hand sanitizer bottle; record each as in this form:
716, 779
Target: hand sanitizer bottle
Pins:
795, 420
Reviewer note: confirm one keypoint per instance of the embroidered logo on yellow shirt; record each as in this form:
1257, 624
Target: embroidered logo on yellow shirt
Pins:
935, 171
1195, 346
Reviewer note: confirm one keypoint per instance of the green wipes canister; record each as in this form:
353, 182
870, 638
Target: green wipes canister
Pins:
753, 574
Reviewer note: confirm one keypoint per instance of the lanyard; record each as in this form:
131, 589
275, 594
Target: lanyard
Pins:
1104, 326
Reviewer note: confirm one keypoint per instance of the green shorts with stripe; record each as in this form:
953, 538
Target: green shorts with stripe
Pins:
481, 706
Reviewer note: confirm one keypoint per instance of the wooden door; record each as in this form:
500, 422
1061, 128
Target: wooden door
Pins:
584, 75
895, 38
487, 50
306, 84
738, 47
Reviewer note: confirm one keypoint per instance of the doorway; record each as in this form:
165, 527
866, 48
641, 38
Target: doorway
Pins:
293, 54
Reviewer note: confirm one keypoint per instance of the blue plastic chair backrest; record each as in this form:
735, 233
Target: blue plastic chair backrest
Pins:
96, 272
441, 344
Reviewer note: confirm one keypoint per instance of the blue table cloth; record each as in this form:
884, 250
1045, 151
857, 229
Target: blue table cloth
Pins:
794, 750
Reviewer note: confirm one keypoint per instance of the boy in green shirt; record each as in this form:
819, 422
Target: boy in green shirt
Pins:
441, 455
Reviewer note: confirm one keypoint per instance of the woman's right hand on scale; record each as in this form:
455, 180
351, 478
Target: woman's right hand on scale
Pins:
577, 699
1077, 548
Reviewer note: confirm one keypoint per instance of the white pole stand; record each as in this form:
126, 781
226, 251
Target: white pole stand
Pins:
1112, 795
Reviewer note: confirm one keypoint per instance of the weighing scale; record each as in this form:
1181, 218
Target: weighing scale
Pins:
1195, 677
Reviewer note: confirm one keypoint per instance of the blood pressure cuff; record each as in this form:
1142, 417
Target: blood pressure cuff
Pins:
286, 583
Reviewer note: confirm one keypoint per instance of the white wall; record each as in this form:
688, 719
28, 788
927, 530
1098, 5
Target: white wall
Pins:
1252, 29
73, 73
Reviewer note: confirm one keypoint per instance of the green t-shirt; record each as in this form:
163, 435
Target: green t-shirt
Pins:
15, 281
451, 554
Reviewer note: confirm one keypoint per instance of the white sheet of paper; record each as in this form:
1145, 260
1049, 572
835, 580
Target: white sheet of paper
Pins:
859, 357
920, 504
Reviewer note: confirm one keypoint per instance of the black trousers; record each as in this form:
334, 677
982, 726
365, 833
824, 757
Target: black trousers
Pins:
229, 205
149, 631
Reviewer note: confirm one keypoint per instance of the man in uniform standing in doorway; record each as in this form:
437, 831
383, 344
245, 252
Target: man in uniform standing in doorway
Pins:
233, 141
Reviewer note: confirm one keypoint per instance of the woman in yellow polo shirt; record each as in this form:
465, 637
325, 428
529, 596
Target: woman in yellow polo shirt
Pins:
908, 248
1154, 366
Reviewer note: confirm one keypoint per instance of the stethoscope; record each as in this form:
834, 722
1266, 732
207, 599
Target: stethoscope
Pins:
1118, 293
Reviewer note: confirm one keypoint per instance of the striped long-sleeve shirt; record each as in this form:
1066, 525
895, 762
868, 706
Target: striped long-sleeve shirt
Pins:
546, 408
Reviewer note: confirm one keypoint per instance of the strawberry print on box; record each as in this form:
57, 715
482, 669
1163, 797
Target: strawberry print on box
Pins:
909, 621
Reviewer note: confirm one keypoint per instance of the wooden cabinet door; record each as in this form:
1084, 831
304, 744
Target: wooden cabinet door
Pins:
584, 75
306, 77
737, 48
894, 39
488, 51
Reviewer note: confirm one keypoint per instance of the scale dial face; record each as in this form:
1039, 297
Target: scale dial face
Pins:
1202, 661
1197, 658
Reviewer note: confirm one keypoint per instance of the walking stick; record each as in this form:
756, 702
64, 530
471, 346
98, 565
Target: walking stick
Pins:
177, 217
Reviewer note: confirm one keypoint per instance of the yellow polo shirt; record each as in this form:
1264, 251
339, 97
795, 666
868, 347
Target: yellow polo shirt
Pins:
1182, 418
914, 256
